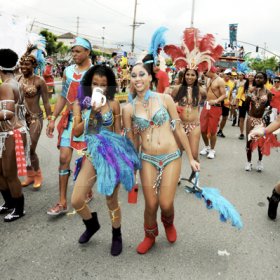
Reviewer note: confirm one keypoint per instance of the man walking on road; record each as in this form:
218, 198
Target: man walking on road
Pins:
72, 76
211, 112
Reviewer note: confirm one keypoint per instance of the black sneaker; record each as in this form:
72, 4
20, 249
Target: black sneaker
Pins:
220, 133
241, 137
234, 121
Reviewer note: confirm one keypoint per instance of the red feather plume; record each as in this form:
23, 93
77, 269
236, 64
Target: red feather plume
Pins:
175, 52
207, 43
189, 38
198, 52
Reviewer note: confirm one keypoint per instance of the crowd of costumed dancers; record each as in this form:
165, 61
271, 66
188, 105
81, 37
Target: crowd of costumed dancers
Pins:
148, 134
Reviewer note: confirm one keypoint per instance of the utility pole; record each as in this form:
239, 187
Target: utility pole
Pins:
192, 16
134, 25
78, 26
264, 50
32, 25
103, 38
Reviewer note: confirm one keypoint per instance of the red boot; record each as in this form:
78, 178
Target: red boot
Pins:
150, 237
38, 179
29, 179
170, 229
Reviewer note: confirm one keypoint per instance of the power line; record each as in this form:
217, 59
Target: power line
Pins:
111, 9
96, 39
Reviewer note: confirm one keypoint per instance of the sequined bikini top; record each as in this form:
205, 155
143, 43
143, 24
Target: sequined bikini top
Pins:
29, 90
99, 121
108, 118
159, 118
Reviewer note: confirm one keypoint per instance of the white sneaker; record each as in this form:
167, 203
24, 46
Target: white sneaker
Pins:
205, 151
211, 154
259, 166
248, 166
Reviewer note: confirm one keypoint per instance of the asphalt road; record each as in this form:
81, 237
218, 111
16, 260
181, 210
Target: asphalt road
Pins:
42, 247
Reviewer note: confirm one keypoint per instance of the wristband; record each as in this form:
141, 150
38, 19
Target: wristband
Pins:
51, 118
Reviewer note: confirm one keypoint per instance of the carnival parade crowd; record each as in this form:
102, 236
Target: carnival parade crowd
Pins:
166, 114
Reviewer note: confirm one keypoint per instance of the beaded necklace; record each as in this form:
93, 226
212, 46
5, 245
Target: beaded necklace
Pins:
145, 104
258, 99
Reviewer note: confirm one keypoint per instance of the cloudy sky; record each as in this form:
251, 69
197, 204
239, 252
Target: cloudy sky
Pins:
258, 20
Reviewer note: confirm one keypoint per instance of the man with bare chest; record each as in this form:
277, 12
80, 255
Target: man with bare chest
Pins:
211, 112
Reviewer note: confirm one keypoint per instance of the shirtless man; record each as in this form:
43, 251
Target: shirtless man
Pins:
211, 112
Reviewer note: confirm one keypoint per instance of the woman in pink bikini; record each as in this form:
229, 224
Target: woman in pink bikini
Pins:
187, 97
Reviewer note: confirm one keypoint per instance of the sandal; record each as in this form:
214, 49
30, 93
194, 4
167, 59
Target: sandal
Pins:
58, 209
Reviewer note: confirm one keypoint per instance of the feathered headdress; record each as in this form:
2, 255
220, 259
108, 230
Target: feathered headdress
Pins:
196, 52
243, 67
36, 51
157, 43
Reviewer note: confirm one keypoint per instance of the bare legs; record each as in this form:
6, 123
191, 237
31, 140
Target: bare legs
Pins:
83, 185
213, 139
164, 199
64, 166
9, 182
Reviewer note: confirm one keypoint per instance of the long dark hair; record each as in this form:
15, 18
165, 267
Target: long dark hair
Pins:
102, 71
246, 85
149, 66
184, 87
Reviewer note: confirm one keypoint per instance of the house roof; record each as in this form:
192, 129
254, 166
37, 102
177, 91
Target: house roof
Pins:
67, 35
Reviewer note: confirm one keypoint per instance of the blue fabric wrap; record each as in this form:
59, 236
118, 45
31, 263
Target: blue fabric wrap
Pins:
114, 159
69, 72
67, 132
79, 41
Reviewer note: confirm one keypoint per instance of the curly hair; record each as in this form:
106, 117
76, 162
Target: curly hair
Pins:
184, 87
102, 71
8, 59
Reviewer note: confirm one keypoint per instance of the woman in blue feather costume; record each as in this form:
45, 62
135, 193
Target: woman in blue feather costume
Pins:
110, 158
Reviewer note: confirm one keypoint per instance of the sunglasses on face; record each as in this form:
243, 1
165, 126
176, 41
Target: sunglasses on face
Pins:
277, 81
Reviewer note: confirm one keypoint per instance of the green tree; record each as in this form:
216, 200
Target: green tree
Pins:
52, 46
264, 64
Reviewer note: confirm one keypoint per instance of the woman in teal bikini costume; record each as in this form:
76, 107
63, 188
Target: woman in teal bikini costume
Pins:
109, 159
153, 117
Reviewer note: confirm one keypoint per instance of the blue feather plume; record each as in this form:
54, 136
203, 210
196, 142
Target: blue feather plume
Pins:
243, 67
214, 200
158, 41
270, 74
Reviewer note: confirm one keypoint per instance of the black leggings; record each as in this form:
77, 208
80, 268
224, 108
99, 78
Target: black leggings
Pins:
249, 152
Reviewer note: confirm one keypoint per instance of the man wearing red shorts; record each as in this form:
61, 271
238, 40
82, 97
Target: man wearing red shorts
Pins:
211, 112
